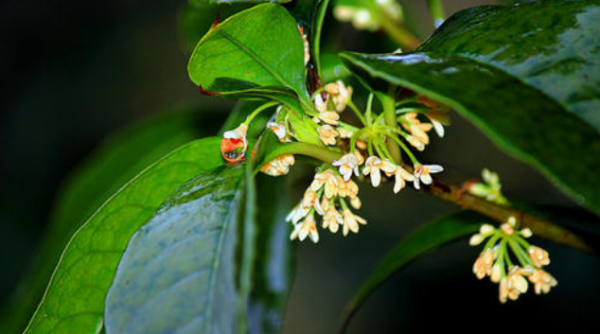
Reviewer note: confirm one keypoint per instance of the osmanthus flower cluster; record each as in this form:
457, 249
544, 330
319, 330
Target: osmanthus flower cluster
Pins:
360, 151
508, 259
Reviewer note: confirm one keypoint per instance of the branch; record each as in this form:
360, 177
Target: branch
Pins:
542, 228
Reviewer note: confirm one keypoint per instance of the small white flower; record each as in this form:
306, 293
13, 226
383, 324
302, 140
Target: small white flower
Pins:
307, 228
296, 214
351, 222
347, 165
327, 134
329, 180
401, 176
329, 117
279, 166
346, 188
279, 131
340, 94
374, 166
332, 219
526, 232
415, 142
320, 104
422, 173
438, 127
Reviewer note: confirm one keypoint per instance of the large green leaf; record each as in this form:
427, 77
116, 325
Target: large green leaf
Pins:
419, 243
255, 50
179, 272
118, 159
519, 108
274, 262
74, 299
551, 45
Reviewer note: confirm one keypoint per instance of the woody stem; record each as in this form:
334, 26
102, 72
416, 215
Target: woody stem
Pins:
545, 229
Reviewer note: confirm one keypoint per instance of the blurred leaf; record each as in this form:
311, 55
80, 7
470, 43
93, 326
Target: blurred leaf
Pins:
419, 243
508, 98
332, 68
195, 21
74, 299
201, 3
179, 272
232, 59
275, 258
118, 159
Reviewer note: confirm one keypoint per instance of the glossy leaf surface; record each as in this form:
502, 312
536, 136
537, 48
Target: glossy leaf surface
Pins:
115, 161
516, 112
257, 49
553, 46
274, 262
74, 299
179, 272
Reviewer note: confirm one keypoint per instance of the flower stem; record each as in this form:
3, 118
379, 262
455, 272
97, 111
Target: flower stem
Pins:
398, 32
357, 112
437, 12
389, 112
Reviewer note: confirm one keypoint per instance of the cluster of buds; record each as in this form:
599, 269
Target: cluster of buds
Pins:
366, 18
336, 99
326, 196
416, 130
496, 261
490, 188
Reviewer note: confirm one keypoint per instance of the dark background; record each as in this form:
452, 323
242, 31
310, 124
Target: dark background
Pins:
72, 72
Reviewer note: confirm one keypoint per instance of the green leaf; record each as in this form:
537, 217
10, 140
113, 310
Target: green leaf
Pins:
332, 68
74, 299
553, 46
529, 119
419, 243
179, 272
274, 262
195, 21
200, 3
118, 159
255, 50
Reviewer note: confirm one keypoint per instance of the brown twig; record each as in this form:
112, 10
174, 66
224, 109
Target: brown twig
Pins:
500, 213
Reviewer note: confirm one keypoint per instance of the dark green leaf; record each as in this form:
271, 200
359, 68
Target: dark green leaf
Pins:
553, 46
419, 243
254, 50
274, 261
332, 68
179, 272
551, 134
118, 159
74, 299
